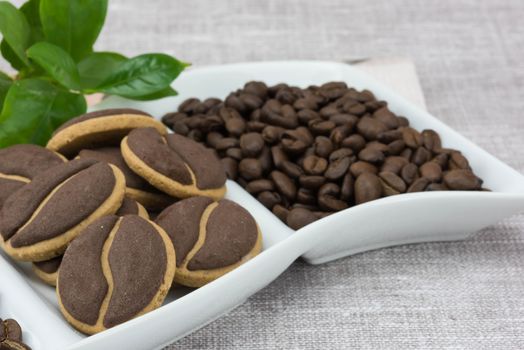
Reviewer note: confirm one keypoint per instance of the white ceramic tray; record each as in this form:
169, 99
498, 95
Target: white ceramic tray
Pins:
407, 218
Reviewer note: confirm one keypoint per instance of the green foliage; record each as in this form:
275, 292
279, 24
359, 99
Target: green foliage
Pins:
50, 44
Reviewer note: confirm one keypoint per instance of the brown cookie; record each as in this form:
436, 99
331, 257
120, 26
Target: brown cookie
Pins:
210, 238
118, 268
131, 207
38, 221
100, 129
20, 163
137, 188
174, 164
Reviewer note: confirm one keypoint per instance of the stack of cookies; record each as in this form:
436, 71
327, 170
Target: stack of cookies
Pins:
80, 210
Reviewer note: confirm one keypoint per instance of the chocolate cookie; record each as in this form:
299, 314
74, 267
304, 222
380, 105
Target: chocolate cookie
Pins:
174, 164
137, 188
47, 270
11, 336
100, 129
38, 221
118, 268
20, 163
210, 238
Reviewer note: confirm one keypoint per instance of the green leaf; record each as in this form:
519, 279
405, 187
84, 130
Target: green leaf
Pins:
31, 11
96, 67
73, 25
33, 109
57, 63
167, 92
15, 29
142, 75
5, 84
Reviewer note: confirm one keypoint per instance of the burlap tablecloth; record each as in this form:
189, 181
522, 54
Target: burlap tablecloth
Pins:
470, 58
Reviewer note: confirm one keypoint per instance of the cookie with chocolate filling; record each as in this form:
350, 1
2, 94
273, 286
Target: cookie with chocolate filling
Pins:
100, 129
47, 270
210, 238
137, 188
20, 163
118, 268
38, 221
174, 164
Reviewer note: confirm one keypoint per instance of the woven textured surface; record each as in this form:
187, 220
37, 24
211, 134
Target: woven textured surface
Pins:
470, 58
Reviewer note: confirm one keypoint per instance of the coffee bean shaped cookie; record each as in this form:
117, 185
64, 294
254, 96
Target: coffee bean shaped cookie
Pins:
174, 164
210, 238
137, 188
38, 221
99, 129
20, 163
118, 268
47, 270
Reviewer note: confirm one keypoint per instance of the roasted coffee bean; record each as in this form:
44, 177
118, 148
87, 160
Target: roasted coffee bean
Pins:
284, 184
286, 96
431, 171
250, 169
421, 156
372, 106
305, 103
357, 109
458, 161
255, 125
265, 159
179, 127
437, 187
307, 115
269, 199
407, 153
311, 182
235, 153
344, 119
170, 119
339, 133
271, 134
419, 185
391, 183
412, 138
225, 143
251, 144
330, 203
235, 126
337, 168
251, 101
378, 146
278, 155
409, 173
385, 116
329, 111
196, 135
462, 179
291, 169
300, 217
256, 88
370, 128
260, 185
314, 165
306, 196
389, 136
402, 121
356, 142
396, 147
321, 127
431, 140
323, 146
281, 212
367, 188
213, 138
256, 115
393, 164
346, 190
188, 105
340, 153
362, 167
442, 160
371, 155
284, 117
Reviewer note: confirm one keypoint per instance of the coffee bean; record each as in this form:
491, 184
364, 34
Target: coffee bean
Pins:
391, 183
346, 190
250, 169
233, 101
431, 171
421, 156
371, 155
462, 179
442, 160
281, 212
311, 182
385, 116
284, 184
260, 185
329, 111
356, 142
188, 105
337, 168
196, 135
390, 136
412, 138
300, 217
330, 203
231, 167
362, 167
271, 134
278, 155
321, 127
256, 88
437, 187
305, 103
344, 119
265, 159
255, 125
225, 143
314, 165
269, 199
291, 169
409, 173
251, 144
286, 96
179, 127
307, 115
235, 126
251, 101
419, 185
170, 119
458, 161
213, 138
323, 146
431, 139
407, 153
340, 153
394, 164
367, 188
339, 133
235, 153
370, 128
306, 196
402, 121
396, 147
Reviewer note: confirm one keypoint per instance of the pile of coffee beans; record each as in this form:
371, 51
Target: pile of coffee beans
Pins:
307, 153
